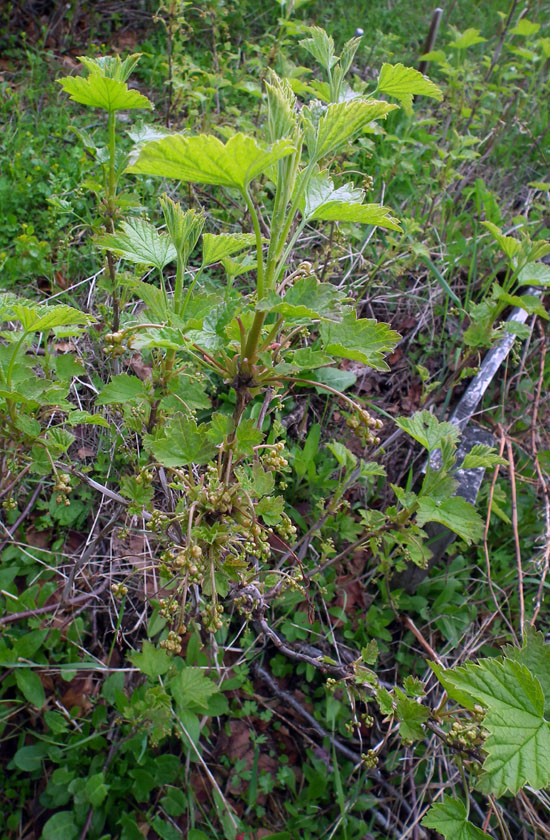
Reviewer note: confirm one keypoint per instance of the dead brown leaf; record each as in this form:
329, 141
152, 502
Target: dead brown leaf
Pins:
64, 346
350, 597
61, 279
78, 693
69, 63
141, 370
395, 357
85, 452
38, 539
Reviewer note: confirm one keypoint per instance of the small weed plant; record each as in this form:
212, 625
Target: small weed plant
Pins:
199, 367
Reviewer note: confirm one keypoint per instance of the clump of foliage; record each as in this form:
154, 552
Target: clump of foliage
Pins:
185, 379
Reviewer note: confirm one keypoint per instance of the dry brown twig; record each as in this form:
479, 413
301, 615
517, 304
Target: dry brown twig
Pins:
545, 565
515, 528
410, 625
485, 540
51, 608
11, 531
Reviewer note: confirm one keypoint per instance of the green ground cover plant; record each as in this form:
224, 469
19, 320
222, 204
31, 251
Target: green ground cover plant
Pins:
223, 460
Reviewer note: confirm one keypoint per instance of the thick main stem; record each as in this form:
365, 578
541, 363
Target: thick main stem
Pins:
111, 199
251, 351
178, 288
258, 233
112, 173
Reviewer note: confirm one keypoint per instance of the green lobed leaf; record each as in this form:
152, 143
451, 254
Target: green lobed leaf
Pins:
96, 789
411, 716
204, 159
213, 334
438, 483
348, 53
339, 123
184, 227
241, 265
153, 711
217, 246
220, 426
384, 700
359, 339
538, 249
166, 337
67, 366
334, 377
270, 508
321, 47
508, 244
468, 38
455, 513
26, 313
187, 392
316, 88
428, 430
519, 742
60, 316
248, 436
58, 440
139, 242
481, 455
321, 190
415, 542
525, 28
449, 818
435, 55
535, 655
414, 686
28, 425
191, 688
263, 482
480, 334
372, 468
111, 66
138, 493
78, 417
530, 303
101, 92
405, 82
343, 455
281, 107
306, 299
183, 443
365, 214
369, 653
121, 389
535, 274
257, 482
41, 463
35, 318
152, 661
306, 358
345, 204
154, 298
